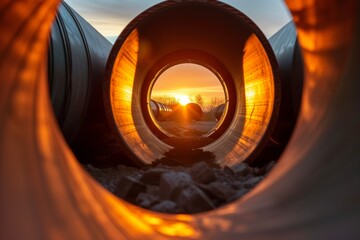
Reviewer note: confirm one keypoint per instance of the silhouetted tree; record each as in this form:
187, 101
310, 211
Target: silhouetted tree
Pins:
199, 100
165, 99
215, 101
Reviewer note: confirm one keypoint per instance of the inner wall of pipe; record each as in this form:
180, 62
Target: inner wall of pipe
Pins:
125, 105
228, 36
259, 90
47, 195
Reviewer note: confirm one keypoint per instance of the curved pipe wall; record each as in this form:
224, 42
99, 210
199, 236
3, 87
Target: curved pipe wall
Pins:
209, 32
77, 58
76, 65
289, 57
312, 193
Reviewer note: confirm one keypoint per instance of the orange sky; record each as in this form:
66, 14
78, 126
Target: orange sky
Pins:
188, 79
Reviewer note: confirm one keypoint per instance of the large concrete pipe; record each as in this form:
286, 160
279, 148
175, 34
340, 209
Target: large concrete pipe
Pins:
312, 193
209, 33
77, 58
77, 97
76, 66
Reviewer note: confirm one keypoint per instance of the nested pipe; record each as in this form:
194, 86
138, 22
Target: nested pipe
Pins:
311, 193
209, 33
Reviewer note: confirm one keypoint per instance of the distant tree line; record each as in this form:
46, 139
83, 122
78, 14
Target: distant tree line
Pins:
165, 99
207, 106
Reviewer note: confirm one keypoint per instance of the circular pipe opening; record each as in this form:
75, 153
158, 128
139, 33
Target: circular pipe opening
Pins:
193, 120
289, 203
233, 46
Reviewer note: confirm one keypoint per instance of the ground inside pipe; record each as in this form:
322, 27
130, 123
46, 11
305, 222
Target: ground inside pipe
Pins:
189, 188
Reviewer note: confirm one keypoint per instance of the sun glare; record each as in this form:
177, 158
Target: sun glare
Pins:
183, 99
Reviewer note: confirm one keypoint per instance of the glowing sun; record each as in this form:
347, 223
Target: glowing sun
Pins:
183, 99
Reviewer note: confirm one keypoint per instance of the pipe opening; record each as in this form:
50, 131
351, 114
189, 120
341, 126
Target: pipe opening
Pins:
235, 49
186, 174
43, 179
181, 101
213, 164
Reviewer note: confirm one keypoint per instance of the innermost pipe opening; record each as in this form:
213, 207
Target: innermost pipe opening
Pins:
181, 102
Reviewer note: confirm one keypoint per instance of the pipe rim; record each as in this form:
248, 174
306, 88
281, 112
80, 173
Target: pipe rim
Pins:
242, 19
204, 59
300, 207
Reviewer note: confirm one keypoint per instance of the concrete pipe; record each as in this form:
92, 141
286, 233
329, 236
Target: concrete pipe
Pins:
193, 112
209, 33
289, 57
155, 108
219, 111
312, 193
161, 112
76, 66
77, 58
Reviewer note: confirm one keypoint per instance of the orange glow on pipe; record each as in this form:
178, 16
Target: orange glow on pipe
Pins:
126, 109
46, 195
259, 93
122, 80
257, 109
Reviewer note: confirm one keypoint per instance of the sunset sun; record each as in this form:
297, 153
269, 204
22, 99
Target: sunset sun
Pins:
183, 99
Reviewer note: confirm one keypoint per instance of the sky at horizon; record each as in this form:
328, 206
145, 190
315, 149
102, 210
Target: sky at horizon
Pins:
195, 80
110, 17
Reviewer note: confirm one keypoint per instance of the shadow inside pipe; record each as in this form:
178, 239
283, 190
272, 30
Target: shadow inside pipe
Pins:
186, 157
